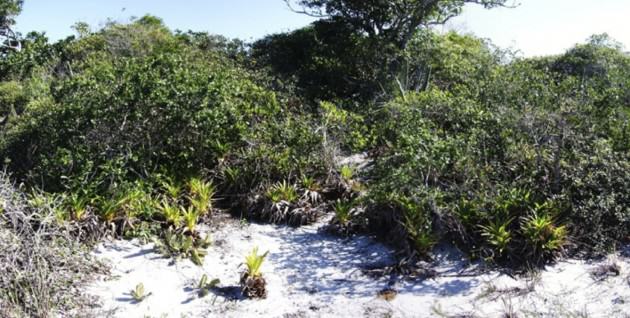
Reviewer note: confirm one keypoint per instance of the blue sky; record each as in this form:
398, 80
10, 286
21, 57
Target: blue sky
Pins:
539, 27
536, 27
246, 19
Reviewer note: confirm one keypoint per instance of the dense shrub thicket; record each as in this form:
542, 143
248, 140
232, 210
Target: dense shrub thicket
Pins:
514, 160
134, 105
532, 164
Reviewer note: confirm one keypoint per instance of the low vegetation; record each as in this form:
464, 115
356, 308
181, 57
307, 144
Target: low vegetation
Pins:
42, 264
138, 293
205, 285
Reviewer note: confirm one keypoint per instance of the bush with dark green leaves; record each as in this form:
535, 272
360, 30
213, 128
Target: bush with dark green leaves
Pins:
325, 61
533, 167
131, 102
515, 160
177, 111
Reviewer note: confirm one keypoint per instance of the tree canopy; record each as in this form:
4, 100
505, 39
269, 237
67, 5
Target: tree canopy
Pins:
8, 10
394, 21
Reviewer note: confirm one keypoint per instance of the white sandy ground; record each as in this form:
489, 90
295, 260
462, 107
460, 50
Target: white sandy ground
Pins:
312, 274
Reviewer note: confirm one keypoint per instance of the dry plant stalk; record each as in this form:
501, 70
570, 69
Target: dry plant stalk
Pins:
42, 264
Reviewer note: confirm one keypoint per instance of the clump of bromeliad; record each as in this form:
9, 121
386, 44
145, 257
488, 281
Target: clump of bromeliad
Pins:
252, 282
302, 202
509, 227
181, 212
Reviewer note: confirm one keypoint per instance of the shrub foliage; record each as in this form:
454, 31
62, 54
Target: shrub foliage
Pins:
516, 160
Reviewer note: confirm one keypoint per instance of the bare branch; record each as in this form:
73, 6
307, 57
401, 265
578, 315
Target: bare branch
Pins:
314, 14
495, 3
441, 19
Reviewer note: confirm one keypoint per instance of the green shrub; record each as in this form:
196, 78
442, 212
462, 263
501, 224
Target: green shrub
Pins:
515, 160
141, 103
169, 111
513, 186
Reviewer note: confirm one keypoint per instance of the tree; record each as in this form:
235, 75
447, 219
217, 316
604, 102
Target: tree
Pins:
371, 39
394, 21
324, 60
8, 10
451, 62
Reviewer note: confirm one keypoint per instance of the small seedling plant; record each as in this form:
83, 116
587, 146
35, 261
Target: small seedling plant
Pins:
205, 285
139, 294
